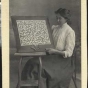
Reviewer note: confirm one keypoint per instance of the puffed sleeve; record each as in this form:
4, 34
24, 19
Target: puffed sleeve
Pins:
53, 29
53, 26
70, 44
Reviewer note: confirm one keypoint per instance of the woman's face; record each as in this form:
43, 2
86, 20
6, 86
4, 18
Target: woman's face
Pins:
61, 20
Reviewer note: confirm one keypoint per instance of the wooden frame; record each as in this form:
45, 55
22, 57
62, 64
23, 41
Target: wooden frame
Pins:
30, 48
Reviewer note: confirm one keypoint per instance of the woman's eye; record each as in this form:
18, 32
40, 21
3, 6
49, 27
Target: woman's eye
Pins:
59, 18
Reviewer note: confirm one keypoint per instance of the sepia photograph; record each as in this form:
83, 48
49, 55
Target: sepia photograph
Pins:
45, 44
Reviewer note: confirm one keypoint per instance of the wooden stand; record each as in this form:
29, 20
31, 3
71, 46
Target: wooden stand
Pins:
29, 82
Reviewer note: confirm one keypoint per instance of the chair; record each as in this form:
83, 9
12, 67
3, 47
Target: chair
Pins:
27, 83
74, 75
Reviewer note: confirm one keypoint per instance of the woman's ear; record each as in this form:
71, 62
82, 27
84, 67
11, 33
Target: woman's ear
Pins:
66, 19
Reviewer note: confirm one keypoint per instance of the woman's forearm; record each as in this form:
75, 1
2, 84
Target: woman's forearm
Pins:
59, 52
55, 51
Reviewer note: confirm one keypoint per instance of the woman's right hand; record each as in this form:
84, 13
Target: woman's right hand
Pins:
51, 50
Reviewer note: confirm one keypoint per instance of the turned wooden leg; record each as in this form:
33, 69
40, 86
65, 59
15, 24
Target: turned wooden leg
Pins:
19, 74
40, 72
74, 81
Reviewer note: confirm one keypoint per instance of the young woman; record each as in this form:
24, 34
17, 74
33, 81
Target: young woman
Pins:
57, 68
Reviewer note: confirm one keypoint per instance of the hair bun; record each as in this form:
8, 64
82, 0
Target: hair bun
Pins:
63, 12
68, 13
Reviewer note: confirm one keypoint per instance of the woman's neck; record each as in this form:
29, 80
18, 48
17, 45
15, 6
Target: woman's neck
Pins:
63, 24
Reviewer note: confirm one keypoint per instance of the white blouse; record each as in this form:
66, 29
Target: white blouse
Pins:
64, 39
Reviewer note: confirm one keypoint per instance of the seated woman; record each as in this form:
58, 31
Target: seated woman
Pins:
57, 68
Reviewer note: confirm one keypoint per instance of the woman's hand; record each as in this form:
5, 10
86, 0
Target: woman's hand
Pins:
54, 51
51, 50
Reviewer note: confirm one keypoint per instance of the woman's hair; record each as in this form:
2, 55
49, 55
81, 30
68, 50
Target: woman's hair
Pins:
64, 13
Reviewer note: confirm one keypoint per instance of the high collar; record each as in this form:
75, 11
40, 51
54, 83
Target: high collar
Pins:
65, 24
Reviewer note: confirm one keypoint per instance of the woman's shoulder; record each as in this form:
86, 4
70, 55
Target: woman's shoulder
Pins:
70, 29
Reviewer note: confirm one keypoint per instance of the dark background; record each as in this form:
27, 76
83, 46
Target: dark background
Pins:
47, 8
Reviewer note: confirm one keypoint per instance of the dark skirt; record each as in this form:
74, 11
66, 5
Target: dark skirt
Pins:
56, 71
